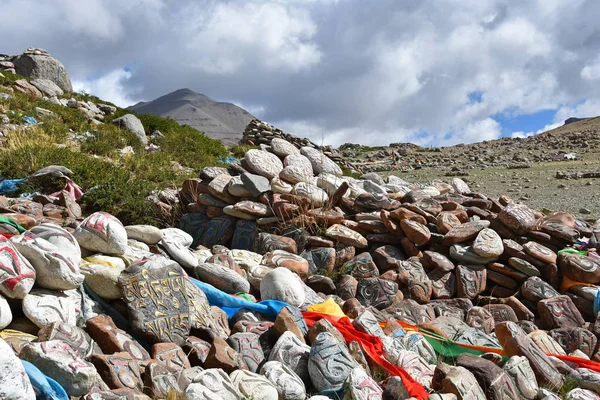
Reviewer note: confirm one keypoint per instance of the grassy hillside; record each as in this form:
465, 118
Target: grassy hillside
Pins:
113, 183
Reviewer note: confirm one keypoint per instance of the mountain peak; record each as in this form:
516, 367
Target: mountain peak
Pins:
223, 121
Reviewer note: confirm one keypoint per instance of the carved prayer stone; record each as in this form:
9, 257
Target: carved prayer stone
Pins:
470, 280
286, 381
559, 312
156, 298
516, 343
329, 363
248, 347
360, 386
376, 292
520, 371
292, 352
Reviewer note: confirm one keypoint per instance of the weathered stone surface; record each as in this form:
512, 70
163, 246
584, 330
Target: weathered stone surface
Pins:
221, 355
248, 347
118, 371
284, 259
76, 337
155, 293
57, 359
144, 233
418, 233
535, 289
329, 363
488, 244
346, 235
222, 278
14, 383
520, 371
580, 268
546, 343
517, 217
481, 318
112, 339
491, 378
170, 355
572, 339
40, 65
461, 382
516, 343
320, 162
288, 384
464, 232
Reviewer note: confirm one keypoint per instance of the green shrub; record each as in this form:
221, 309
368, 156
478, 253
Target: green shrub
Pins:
241, 149
108, 139
111, 182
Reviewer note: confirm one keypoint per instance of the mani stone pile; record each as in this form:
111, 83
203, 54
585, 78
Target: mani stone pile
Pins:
111, 312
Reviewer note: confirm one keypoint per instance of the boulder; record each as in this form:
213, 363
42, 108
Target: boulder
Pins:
39, 64
133, 124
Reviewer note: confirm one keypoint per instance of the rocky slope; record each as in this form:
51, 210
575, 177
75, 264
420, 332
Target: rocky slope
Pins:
223, 121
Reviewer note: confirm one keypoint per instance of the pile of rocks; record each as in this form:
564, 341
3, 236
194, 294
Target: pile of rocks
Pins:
109, 311
259, 133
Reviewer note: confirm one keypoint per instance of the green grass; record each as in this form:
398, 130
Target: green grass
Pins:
113, 183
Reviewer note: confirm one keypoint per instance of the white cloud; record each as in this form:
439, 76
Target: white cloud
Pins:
109, 87
521, 134
591, 72
269, 33
350, 71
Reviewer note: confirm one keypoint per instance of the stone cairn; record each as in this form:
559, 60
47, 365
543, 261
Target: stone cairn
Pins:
259, 133
110, 311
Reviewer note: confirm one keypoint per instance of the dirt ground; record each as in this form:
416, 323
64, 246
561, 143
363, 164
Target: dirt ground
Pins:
537, 186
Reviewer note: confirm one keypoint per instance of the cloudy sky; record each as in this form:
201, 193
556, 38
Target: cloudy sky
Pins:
433, 72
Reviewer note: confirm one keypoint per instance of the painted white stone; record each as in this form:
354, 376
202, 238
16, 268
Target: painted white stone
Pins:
253, 386
103, 280
5, 313
211, 384
148, 234
301, 161
60, 362
283, 148
14, 382
320, 162
263, 163
294, 174
103, 233
286, 381
16, 273
281, 284
316, 195
54, 269
44, 306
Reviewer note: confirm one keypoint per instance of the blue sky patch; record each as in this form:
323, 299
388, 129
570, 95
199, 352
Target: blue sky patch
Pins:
525, 122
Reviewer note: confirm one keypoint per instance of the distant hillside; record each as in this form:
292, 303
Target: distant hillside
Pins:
219, 120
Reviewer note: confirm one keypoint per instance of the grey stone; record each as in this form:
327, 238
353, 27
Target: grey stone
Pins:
133, 124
